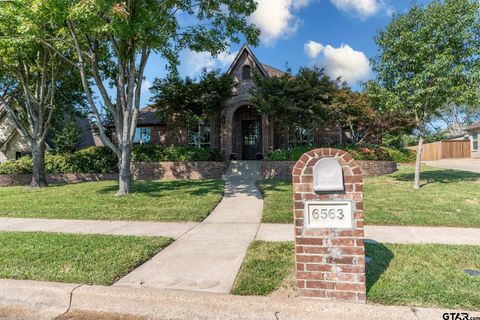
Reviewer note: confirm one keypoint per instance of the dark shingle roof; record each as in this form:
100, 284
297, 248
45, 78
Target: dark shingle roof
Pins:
474, 126
149, 117
273, 72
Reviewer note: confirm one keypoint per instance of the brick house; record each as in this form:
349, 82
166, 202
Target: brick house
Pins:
240, 131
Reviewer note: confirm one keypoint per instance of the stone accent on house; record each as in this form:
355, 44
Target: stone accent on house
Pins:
283, 169
330, 263
140, 171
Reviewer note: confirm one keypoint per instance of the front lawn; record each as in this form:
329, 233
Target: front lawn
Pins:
414, 275
185, 200
446, 198
85, 259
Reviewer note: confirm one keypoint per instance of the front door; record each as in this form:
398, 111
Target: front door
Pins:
251, 139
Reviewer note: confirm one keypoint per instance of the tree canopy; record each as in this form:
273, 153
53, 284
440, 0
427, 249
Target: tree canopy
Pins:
428, 57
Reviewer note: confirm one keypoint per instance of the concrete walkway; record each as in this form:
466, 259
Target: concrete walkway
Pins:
126, 228
387, 234
208, 257
472, 165
266, 232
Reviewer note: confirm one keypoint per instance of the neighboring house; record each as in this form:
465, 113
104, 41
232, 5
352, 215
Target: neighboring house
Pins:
13, 146
239, 131
474, 134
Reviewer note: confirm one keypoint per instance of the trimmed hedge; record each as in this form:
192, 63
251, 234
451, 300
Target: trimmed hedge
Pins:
104, 160
88, 160
155, 153
358, 152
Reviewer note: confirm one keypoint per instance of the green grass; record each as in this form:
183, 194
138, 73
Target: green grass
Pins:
264, 268
183, 200
414, 275
446, 198
85, 259
277, 206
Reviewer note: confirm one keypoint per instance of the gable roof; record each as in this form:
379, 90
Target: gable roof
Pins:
257, 62
474, 126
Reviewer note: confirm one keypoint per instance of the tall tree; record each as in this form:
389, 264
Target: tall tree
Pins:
362, 119
191, 103
300, 101
114, 40
429, 56
31, 72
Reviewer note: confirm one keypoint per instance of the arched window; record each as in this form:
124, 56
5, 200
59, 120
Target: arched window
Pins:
246, 72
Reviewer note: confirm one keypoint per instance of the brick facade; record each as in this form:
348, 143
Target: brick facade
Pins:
226, 134
330, 263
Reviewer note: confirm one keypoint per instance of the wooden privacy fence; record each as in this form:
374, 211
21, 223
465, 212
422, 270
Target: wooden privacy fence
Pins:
453, 149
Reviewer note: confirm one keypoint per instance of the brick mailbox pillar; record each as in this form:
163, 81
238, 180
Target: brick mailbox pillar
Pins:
328, 214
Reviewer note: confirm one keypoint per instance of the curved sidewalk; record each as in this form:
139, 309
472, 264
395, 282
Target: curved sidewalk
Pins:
208, 257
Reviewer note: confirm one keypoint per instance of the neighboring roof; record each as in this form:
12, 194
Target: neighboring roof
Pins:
257, 62
273, 72
474, 126
149, 117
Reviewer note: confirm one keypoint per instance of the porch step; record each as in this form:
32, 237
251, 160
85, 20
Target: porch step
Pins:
244, 169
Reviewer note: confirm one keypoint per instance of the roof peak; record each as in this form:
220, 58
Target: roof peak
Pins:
245, 47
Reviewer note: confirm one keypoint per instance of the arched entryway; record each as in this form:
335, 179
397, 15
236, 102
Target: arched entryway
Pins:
247, 133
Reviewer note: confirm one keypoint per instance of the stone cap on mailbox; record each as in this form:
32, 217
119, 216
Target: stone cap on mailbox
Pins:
327, 175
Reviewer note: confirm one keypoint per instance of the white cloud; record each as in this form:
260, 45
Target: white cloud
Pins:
146, 86
362, 8
351, 65
313, 49
277, 19
194, 62
226, 59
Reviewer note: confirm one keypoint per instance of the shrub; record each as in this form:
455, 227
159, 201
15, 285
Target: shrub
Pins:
358, 152
152, 152
22, 165
93, 160
402, 155
88, 160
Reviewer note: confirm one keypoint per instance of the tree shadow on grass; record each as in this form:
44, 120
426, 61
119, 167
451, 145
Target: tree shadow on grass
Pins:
439, 176
379, 257
158, 189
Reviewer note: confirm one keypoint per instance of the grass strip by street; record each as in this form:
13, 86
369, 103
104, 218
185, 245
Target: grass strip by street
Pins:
83, 259
446, 198
398, 274
181, 200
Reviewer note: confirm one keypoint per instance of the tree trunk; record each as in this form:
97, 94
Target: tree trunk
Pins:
416, 182
125, 173
39, 178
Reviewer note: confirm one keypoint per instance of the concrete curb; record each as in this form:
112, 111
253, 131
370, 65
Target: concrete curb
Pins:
24, 299
42, 300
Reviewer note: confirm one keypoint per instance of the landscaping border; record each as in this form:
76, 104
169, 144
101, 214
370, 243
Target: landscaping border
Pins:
283, 169
165, 170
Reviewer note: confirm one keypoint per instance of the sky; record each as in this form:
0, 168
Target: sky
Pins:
335, 34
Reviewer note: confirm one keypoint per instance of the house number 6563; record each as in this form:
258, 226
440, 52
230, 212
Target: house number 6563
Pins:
328, 214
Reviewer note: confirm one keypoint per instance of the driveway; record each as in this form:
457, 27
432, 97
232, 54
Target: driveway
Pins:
472, 165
